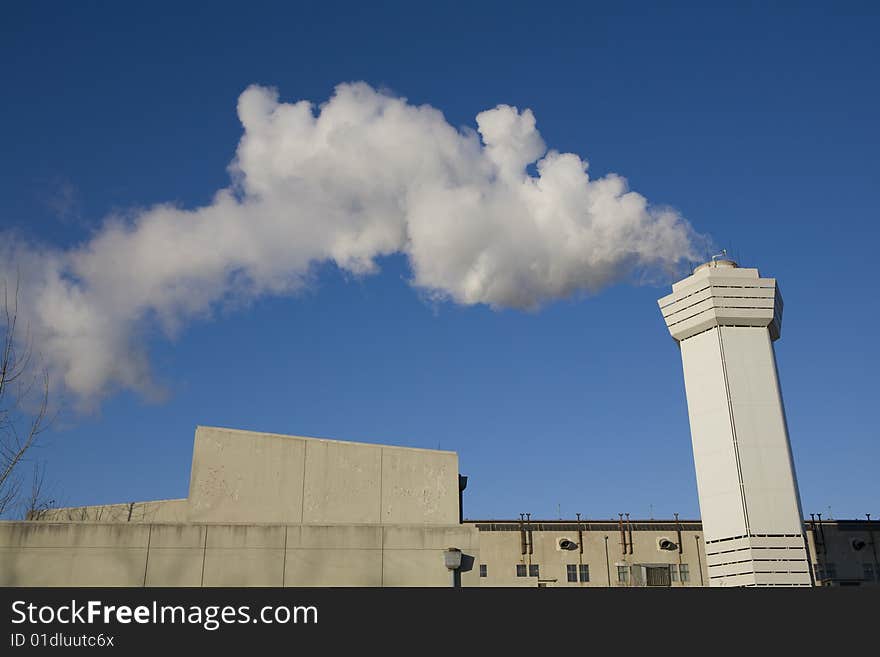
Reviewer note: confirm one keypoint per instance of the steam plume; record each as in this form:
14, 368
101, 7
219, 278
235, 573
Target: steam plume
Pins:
362, 176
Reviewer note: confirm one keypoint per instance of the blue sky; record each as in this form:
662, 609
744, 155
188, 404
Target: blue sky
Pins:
757, 123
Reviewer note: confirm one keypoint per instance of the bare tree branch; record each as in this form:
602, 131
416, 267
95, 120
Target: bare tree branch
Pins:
24, 404
35, 429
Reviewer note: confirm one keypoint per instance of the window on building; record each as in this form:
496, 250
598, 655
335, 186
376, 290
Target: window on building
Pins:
584, 572
673, 572
869, 572
533, 570
685, 572
572, 572
520, 570
622, 574
484, 570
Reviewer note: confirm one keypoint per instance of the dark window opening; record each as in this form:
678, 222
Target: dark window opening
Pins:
585, 572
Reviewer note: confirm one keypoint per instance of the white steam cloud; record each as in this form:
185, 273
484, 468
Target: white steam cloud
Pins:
362, 176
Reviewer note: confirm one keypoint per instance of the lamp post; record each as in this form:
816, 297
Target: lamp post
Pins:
452, 560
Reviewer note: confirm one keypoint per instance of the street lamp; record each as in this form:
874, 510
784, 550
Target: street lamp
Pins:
452, 560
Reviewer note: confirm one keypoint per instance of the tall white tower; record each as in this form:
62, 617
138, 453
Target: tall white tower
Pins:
725, 319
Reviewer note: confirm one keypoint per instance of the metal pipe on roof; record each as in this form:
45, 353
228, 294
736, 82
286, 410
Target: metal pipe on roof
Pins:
580, 537
629, 527
607, 561
529, 529
678, 533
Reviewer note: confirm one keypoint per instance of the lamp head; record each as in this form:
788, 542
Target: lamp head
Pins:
452, 558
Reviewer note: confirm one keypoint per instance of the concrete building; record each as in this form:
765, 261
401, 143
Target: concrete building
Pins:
267, 509
725, 319
276, 510
649, 553
591, 553
263, 510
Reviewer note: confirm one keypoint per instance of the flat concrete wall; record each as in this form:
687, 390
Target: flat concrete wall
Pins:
72, 554
718, 479
250, 477
156, 511
136, 554
263, 510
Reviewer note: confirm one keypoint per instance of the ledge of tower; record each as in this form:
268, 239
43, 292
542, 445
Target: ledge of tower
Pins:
725, 295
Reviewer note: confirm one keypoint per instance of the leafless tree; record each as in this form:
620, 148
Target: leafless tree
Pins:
37, 504
24, 406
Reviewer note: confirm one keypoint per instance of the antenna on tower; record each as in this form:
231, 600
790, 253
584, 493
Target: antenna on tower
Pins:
715, 257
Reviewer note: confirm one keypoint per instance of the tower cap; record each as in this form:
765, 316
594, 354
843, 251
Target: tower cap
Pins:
712, 264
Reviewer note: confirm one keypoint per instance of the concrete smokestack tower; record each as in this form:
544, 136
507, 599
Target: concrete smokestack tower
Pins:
725, 319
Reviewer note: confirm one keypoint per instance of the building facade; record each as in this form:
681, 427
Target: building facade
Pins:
650, 553
275, 510
263, 510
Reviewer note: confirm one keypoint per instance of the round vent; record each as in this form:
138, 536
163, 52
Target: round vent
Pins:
666, 544
567, 544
